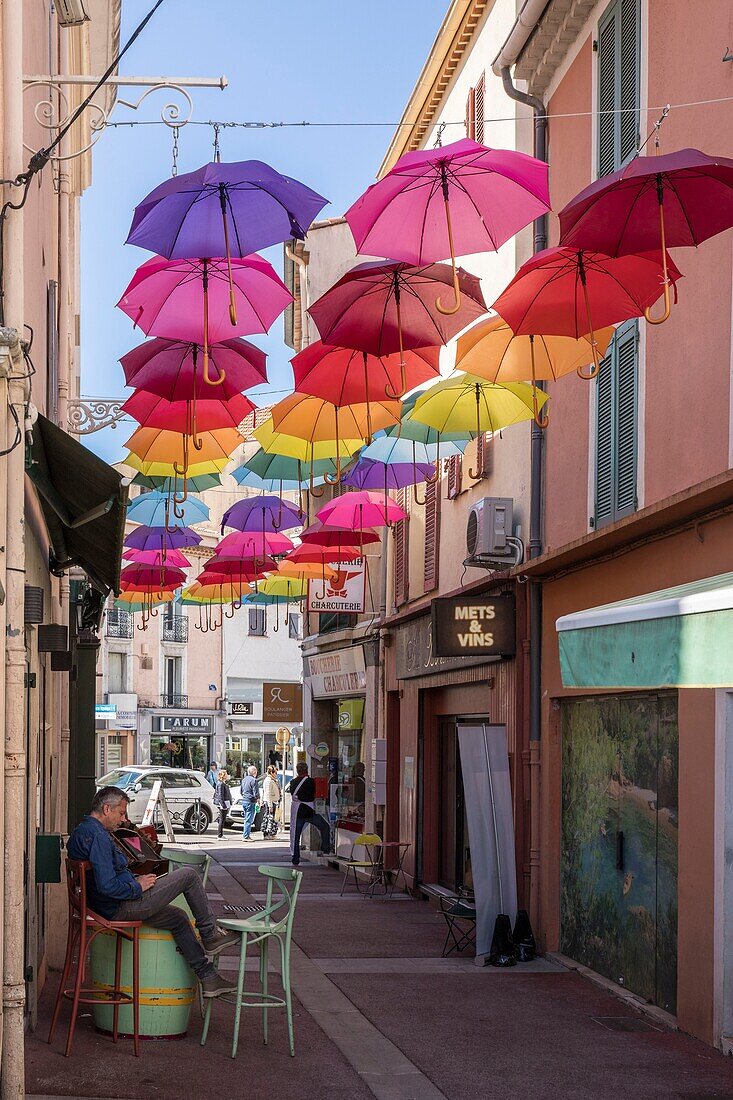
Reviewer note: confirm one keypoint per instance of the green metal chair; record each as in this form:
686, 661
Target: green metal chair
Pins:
200, 860
274, 922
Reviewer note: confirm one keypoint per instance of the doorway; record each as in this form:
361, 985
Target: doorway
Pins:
619, 840
454, 862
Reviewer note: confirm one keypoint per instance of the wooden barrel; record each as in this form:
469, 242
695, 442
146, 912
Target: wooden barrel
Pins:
167, 984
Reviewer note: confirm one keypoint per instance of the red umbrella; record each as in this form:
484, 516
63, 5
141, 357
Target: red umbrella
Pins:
344, 376
188, 417
654, 202
172, 368
384, 307
141, 575
318, 552
571, 292
332, 536
245, 569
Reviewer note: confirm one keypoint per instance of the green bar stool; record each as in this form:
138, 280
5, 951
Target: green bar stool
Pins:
274, 922
200, 860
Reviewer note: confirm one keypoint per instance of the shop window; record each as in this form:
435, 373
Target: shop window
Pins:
432, 536
257, 622
293, 625
619, 84
617, 391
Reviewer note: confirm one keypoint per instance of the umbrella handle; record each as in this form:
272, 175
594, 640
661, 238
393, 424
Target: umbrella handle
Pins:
447, 311
233, 609
665, 277
327, 477
312, 488
321, 595
195, 437
232, 300
540, 421
591, 334
222, 374
276, 627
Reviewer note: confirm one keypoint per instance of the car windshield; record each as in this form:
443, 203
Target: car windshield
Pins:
119, 778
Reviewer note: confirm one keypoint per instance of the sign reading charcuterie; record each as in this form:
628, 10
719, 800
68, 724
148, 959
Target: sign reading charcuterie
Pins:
468, 627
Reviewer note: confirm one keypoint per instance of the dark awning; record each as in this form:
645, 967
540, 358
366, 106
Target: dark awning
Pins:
84, 502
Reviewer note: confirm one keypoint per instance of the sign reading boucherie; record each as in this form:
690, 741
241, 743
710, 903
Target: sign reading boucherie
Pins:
338, 672
464, 627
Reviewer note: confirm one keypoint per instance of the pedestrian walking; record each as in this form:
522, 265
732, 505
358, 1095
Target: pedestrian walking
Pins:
250, 789
222, 800
271, 800
303, 793
211, 774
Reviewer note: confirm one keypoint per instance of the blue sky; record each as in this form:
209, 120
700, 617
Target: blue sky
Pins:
324, 60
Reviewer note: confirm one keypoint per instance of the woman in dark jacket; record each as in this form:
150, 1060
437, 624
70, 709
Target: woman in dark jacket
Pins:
222, 799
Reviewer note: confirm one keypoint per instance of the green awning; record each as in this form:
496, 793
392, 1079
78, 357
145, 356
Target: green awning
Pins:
84, 502
678, 637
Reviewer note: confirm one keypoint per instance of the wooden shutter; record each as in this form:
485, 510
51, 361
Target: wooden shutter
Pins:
455, 476
626, 420
484, 454
471, 114
402, 554
604, 441
478, 109
432, 536
618, 85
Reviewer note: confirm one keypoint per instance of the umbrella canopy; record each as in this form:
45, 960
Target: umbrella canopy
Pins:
303, 570
450, 201
173, 368
291, 588
490, 350
347, 377
265, 513
332, 536
168, 486
316, 420
355, 511
156, 446
160, 538
369, 474
291, 446
309, 552
174, 558
133, 601
142, 576
246, 568
573, 292
188, 417
656, 202
463, 400
169, 472
412, 430
225, 592
401, 449
239, 545
273, 471
151, 510
239, 207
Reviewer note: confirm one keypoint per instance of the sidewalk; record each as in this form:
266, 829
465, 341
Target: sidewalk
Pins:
379, 1013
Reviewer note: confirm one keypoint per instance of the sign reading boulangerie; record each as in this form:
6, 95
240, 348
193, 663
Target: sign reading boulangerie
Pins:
465, 627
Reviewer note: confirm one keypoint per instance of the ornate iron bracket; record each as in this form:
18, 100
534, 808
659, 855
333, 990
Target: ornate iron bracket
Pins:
85, 417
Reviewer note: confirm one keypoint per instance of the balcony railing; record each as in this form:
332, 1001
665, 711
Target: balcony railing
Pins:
119, 624
180, 701
175, 629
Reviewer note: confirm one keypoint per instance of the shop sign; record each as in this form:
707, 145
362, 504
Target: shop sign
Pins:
105, 712
126, 714
351, 714
282, 702
465, 626
341, 672
321, 749
343, 593
416, 656
240, 708
185, 723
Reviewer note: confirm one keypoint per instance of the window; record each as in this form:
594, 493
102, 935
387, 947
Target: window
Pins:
257, 622
616, 427
432, 536
173, 680
293, 625
618, 85
116, 673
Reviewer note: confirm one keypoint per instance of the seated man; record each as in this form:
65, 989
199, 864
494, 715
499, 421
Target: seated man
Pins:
116, 894
303, 793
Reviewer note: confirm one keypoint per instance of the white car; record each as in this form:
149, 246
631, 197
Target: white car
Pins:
189, 797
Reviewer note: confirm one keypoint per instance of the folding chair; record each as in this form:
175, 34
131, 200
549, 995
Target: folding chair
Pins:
370, 845
459, 913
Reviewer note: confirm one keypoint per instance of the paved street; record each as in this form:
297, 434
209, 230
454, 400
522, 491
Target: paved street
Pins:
379, 1013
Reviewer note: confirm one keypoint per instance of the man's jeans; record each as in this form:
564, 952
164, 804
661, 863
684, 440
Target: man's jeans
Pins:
318, 822
154, 908
249, 812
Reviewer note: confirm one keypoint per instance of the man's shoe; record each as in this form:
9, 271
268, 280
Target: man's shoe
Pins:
216, 985
220, 941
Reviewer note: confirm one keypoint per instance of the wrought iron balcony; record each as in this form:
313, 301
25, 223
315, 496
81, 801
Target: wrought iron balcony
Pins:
178, 701
119, 624
175, 629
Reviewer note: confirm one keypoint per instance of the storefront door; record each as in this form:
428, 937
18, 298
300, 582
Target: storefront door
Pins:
177, 750
455, 853
619, 840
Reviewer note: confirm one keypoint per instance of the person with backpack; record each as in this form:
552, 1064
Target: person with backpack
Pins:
303, 793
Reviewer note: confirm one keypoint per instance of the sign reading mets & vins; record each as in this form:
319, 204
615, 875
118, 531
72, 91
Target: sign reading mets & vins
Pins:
465, 627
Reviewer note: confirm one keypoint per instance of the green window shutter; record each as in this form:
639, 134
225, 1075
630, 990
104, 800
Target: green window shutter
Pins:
618, 84
626, 419
604, 441
629, 80
607, 92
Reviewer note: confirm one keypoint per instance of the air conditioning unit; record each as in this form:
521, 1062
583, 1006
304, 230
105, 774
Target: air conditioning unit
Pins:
70, 13
490, 539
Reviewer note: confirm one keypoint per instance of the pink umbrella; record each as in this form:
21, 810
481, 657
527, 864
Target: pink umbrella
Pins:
239, 545
189, 300
358, 510
493, 193
174, 558
169, 368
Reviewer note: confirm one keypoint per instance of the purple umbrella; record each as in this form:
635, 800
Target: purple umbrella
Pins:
224, 210
369, 474
157, 538
265, 513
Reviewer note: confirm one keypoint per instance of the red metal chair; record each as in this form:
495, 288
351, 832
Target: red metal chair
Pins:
84, 925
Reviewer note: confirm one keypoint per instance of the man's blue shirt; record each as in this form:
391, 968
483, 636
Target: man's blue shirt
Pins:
250, 789
111, 882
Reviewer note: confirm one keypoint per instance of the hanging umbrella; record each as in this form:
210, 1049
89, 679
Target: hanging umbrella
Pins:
332, 536
207, 596
188, 299
436, 204
383, 307
252, 544
187, 417
166, 471
309, 552
174, 558
292, 588
224, 210
158, 538
132, 601
274, 442
656, 202
244, 569
571, 292
281, 473
490, 350
150, 509
172, 368
358, 510
400, 449
156, 446
347, 377
172, 485
140, 576
261, 514
368, 474
304, 570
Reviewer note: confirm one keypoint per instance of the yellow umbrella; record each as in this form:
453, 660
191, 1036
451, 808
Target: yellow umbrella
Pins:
275, 442
210, 595
303, 570
490, 350
167, 469
159, 445
293, 588
464, 402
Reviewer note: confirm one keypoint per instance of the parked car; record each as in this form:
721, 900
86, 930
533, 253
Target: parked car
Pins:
236, 814
183, 789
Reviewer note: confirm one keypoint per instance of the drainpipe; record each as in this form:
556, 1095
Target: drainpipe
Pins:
536, 524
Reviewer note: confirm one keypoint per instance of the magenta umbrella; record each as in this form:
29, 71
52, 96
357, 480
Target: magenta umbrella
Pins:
457, 199
261, 514
172, 368
355, 511
188, 299
174, 558
239, 545
654, 202
386, 306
